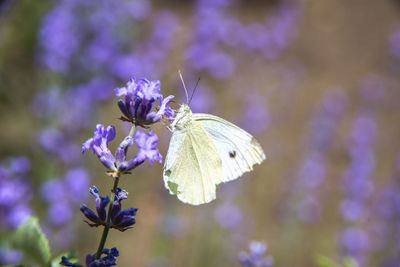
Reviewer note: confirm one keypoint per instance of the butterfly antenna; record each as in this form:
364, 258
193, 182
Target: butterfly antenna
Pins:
194, 90
184, 86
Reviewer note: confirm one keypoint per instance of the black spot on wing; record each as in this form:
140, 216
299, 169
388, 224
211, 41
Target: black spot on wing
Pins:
173, 187
232, 154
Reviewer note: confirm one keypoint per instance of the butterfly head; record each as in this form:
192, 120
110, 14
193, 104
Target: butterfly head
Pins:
182, 118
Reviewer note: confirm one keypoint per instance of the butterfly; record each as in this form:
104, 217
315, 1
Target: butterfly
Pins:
205, 151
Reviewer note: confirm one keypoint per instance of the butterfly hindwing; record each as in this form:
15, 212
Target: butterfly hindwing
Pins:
192, 166
238, 150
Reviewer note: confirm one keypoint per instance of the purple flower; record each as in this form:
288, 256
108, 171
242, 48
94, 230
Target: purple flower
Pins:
175, 226
63, 194
118, 164
147, 147
364, 129
76, 181
352, 210
20, 165
358, 188
59, 212
108, 260
46, 103
59, 38
203, 99
308, 209
99, 145
354, 240
228, 215
15, 192
121, 220
372, 88
10, 257
325, 120
312, 172
394, 43
139, 97
53, 190
139, 9
255, 257
255, 116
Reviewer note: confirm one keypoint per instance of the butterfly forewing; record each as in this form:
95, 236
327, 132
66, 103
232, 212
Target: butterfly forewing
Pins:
193, 166
238, 150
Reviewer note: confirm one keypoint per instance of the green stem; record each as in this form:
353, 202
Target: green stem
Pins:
132, 131
108, 219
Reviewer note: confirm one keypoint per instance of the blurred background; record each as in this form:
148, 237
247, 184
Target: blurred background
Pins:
316, 82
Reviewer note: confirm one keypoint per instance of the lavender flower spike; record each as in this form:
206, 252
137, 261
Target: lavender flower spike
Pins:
99, 145
120, 220
140, 96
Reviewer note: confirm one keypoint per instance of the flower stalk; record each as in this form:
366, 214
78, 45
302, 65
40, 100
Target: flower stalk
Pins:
140, 98
108, 220
108, 224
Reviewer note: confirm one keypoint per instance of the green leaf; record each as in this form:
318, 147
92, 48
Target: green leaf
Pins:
30, 239
323, 261
350, 262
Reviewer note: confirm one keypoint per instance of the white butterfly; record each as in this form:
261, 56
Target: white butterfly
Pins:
205, 151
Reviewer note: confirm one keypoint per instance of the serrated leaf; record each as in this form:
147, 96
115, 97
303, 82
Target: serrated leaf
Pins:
323, 261
30, 239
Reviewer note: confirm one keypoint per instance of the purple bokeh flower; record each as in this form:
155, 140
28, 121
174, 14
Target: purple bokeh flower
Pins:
255, 116
63, 194
255, 257
15, 192
385, 233
308, 209
325, 119
10, 256
313, 169
372, 88
354, 240
216, 28
175, 226
59, 37
394, 44
228, 215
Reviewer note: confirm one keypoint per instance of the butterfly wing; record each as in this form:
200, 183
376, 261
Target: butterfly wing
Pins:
192, 165
238, 150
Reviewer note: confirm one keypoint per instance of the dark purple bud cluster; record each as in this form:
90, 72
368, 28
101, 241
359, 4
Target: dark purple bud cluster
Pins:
120, 219
140, 96
108, 260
